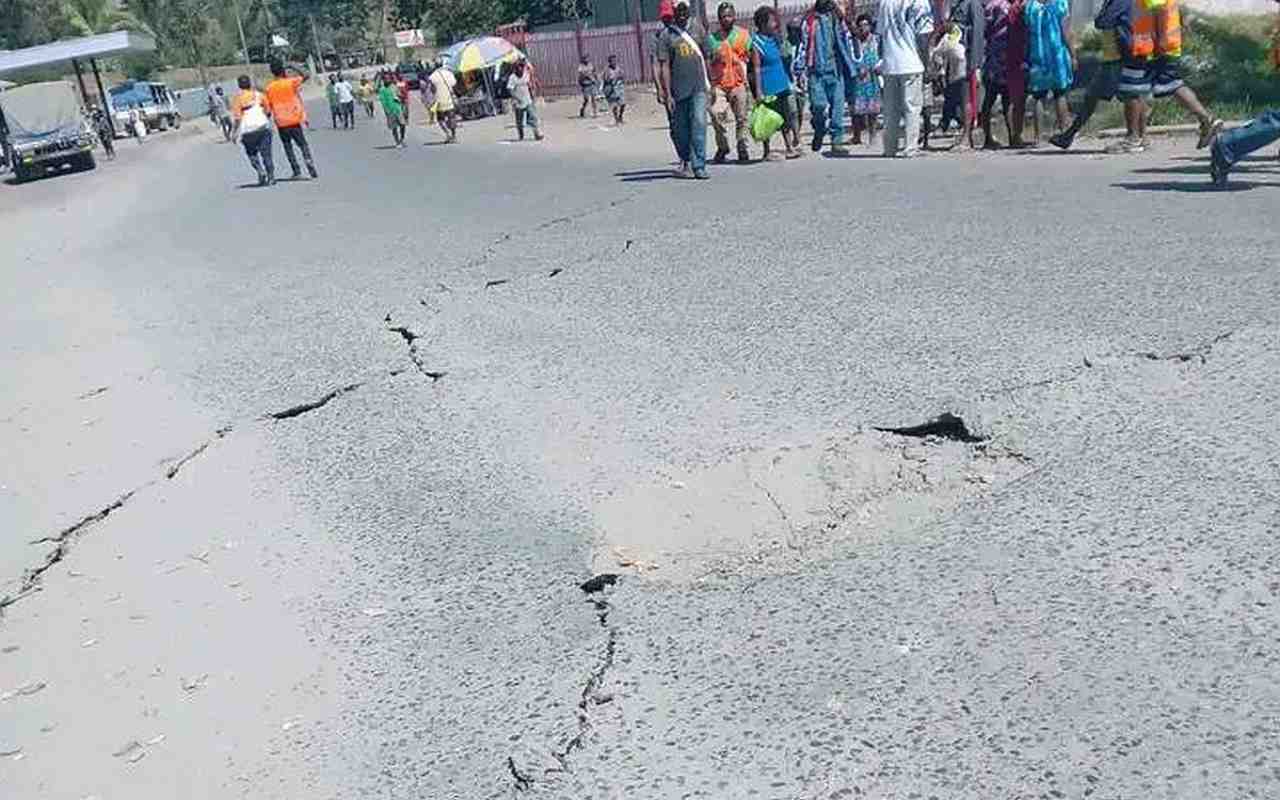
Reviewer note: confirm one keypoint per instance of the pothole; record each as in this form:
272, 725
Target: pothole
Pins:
769, 507
944, 426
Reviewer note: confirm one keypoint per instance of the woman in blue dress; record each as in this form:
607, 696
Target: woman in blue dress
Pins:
1051, 56
864, 92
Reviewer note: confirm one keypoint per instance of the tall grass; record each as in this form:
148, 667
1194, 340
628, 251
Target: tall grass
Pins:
1225, 60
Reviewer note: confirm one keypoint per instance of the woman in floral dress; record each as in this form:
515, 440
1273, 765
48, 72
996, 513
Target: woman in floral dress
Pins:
1050, 55
864, 96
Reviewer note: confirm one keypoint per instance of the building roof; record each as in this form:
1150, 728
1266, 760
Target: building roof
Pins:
116, 43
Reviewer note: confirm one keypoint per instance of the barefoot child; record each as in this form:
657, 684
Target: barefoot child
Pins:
615, 89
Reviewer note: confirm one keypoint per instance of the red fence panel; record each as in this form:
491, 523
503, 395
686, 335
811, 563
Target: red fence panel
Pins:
555, 56
620, 40
555, 60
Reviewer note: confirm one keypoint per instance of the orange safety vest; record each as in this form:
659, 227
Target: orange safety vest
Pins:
1157, 29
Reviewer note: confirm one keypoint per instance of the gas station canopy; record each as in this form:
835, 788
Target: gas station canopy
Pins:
116, 43
74, 51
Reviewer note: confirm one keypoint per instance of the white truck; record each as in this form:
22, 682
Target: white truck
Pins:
157, 105
45, 129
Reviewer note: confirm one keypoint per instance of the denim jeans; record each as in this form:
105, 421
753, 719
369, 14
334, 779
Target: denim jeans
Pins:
1239, 142
826, 105
689, 130
526, 116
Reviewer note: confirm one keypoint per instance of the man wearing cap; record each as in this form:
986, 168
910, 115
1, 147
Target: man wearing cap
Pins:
666, 13
683, 88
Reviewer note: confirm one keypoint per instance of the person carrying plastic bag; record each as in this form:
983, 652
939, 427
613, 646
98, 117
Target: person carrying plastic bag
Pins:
772, 88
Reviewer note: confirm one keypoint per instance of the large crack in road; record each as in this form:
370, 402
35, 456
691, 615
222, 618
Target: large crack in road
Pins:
64, 540
592, 694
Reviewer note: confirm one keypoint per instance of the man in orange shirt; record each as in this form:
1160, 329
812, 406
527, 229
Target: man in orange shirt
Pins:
287, 109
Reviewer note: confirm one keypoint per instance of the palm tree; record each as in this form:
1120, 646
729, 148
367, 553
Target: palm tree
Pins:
89, 17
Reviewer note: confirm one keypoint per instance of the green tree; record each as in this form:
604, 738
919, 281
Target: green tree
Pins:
323, 26
457, 19
88, 17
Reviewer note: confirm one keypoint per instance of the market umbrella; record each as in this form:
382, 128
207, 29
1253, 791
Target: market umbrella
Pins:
479, 53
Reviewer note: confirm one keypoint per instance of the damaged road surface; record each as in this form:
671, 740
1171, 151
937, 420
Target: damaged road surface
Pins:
920, 504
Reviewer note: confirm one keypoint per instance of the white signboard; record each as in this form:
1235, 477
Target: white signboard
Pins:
412, 38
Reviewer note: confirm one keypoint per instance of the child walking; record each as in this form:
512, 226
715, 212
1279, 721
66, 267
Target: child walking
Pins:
615, 89
950, 68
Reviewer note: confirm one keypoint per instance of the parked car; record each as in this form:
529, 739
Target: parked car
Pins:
45, 129
409, 74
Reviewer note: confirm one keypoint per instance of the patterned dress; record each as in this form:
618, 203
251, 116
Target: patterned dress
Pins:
994, 69
1016, 51
1048, 59
866, 83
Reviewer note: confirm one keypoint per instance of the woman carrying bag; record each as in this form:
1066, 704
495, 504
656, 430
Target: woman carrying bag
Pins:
772, 87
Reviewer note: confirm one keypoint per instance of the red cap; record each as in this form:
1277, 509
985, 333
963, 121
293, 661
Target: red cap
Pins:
666, 10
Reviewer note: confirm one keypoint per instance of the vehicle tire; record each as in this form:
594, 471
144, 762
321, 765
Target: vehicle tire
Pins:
20, 173
88, 163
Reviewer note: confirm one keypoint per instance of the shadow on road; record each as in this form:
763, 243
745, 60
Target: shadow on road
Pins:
1192, 188
1056, 152
1201, 169
645, 175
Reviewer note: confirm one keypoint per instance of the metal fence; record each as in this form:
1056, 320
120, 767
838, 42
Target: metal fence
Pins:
555, 55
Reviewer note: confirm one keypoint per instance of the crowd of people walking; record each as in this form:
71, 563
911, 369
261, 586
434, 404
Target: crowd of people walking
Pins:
988, 61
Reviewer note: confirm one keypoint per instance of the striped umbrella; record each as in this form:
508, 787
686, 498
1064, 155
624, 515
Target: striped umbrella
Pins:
479, 53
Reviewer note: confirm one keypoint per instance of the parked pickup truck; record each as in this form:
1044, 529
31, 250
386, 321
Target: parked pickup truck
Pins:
45, 129
157, 105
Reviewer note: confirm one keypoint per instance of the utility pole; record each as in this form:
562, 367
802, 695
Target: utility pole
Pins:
271, 29
315, 35
244, 46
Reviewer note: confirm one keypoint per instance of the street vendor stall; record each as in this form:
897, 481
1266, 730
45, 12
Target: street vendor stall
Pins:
477, 62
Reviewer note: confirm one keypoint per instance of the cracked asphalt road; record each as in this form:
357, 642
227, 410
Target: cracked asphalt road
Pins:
373, 421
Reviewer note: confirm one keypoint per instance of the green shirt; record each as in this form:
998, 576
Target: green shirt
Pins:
390, 101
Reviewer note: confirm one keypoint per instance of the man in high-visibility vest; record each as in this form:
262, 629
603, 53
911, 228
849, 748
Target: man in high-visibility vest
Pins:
1153, 67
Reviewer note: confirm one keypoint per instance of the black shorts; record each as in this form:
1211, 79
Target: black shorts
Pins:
1047, 93
781, 103
955, 94
1106, 81
993, 90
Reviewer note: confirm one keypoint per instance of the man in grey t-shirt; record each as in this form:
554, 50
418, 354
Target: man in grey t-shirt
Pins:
682, 78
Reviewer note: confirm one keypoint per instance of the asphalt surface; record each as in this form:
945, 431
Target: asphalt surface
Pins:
378, 593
